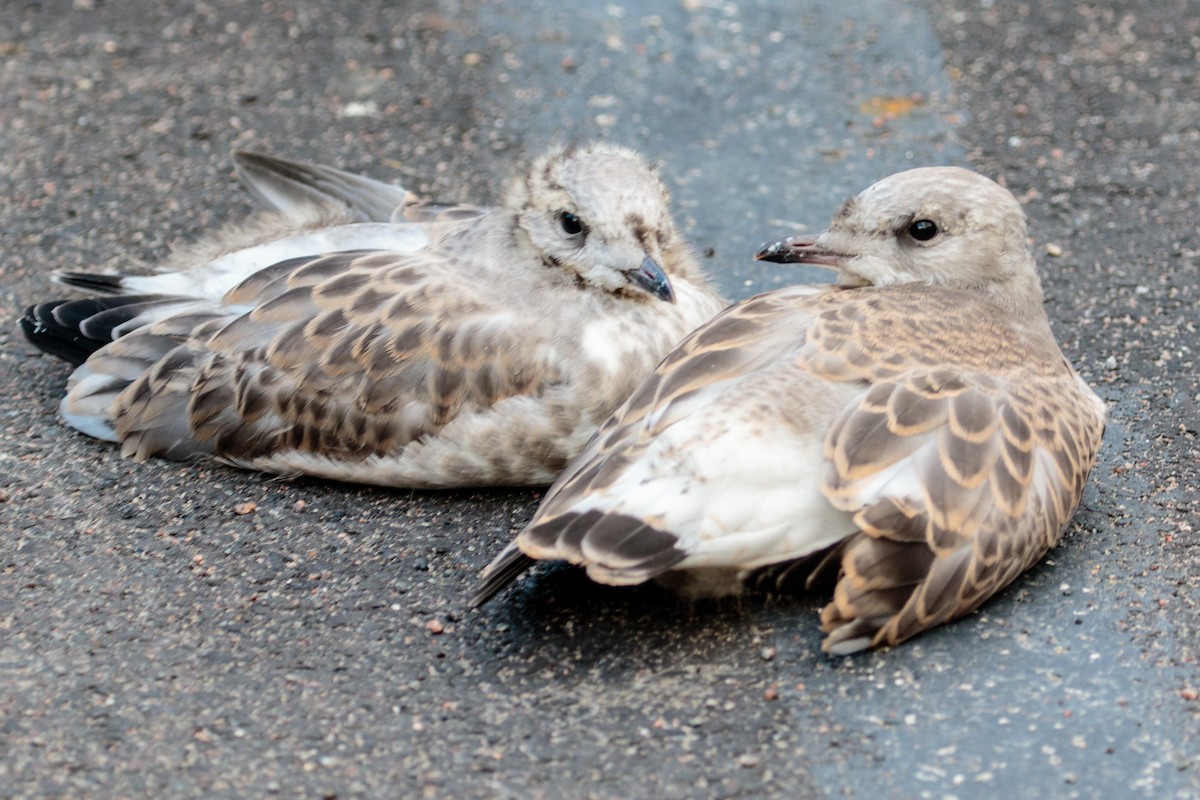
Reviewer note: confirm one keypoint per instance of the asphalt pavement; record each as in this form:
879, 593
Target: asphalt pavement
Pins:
155, 642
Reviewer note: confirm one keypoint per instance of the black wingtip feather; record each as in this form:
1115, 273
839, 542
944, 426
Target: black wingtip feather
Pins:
74, 329
815, 573
92, 282
44, 331
500, 573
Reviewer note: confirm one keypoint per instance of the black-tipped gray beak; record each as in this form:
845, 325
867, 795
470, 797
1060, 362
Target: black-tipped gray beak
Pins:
798, 250
649, 277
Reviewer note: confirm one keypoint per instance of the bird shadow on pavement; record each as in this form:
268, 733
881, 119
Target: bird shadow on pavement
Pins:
558, 621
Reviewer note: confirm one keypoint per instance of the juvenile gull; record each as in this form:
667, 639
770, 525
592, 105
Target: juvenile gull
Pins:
911, 435
358, 334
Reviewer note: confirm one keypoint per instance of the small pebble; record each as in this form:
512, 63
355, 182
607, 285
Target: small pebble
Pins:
365, 108
1053, 250
434, 627
249, 507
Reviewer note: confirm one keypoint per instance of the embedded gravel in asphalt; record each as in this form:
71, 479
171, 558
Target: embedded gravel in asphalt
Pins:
155, 642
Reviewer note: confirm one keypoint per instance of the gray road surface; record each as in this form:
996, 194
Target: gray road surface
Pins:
154, 643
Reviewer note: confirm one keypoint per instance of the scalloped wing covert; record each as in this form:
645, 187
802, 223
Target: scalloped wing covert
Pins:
955, 439
351, 355
962, 464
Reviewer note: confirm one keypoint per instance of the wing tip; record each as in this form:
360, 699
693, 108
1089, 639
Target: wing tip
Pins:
45, 331
503, 570
91, 281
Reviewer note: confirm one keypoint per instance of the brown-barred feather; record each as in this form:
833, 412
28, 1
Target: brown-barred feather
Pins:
924, 398
361, 335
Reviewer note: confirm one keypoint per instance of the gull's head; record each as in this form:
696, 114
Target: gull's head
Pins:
943, 226
602, 213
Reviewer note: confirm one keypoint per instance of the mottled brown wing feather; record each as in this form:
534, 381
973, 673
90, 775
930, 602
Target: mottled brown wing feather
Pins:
960, 475
349, 355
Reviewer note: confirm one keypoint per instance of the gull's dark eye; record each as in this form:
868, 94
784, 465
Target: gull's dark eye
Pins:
570, 223
923, 230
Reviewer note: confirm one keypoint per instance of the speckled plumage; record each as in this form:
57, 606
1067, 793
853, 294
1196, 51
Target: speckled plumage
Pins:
913, 432
483, 345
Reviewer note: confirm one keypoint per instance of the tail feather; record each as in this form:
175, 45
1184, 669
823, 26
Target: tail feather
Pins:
88, 404
617, 549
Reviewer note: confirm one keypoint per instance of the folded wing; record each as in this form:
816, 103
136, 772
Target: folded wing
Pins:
348, 355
